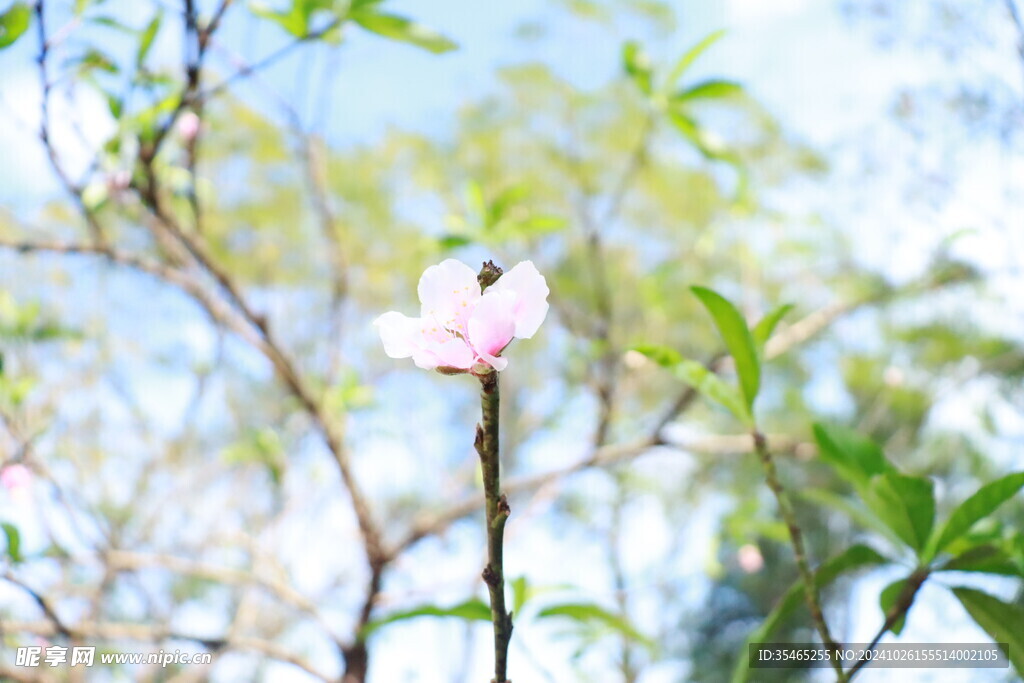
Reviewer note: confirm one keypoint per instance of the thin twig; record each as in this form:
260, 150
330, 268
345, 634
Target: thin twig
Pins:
266, 61
496, 514
799, 550
898, 610
609, 362
44, 604
46, 85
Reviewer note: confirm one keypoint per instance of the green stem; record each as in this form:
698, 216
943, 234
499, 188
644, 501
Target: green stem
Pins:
903, 603
497, 512
796, 539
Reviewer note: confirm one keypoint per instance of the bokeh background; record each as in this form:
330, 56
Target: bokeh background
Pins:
183, 404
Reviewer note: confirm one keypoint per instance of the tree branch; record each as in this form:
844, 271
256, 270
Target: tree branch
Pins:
497, 512
46, 85
899, 610
799, 550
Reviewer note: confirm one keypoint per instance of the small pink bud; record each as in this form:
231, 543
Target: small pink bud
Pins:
893, 376
15, 477
118, 181
188, 126
750, 559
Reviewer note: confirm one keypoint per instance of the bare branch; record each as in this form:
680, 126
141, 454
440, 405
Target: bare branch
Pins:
71, 187
123, 560
268, 60
173, 276
433, 523
55, 621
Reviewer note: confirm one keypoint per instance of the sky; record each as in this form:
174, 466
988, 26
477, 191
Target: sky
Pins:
824, 80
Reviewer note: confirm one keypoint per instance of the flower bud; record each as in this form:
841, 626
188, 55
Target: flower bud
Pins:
188, 126
489, 274
15, 478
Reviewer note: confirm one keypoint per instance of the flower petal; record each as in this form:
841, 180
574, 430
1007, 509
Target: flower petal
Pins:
426, 359
496, 362
492, 326
15, 476
448, 292
454, 353
399, 334
531, 306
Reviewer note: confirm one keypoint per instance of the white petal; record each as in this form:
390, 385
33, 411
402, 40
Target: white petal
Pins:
448, 292
532, 291
399, 333
426, 359
454, 353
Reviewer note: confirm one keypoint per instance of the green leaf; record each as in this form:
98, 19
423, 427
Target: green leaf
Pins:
737, 338
1002, 621
714, 387
983, 503
348, 394
906, 504
662, 355
854, 457
14, 22
887, 600
13, 537
500, 208
261, 447
637, 64
852, 508
115, 104
145, 121
590, 613
690, 57
111, 22
700, 378
709, 148
854, 557
476, 202
146, 39
710, 89
987, 559
94, 59
294, 21
520, 593
404, 30
473, 609
762, 331
540, 225
453, 241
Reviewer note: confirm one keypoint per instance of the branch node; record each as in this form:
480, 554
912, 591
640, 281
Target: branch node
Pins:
490, 577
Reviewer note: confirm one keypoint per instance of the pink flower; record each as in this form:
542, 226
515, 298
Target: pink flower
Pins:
15, 477
118, 181
458, 326
188, 126
750, 559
